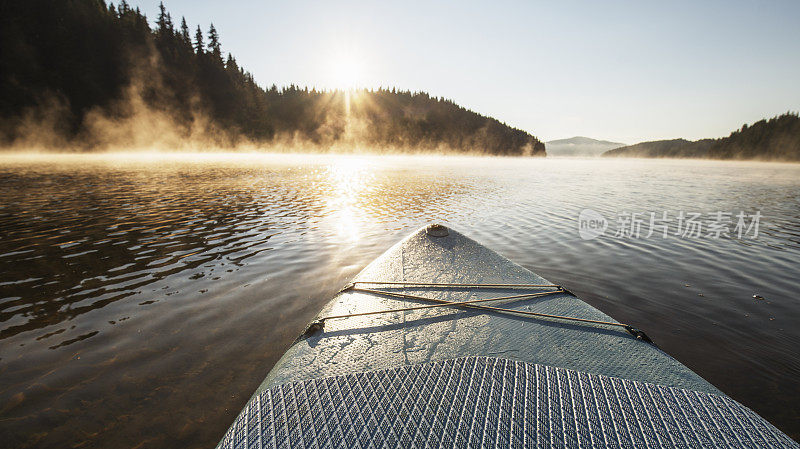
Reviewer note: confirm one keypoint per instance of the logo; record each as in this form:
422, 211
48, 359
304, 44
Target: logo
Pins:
591, 224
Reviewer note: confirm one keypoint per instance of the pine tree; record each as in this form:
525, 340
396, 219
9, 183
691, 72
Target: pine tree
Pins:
164, 21
140, 19
198, 41
162, 18
213, 43
185, 32
230, 64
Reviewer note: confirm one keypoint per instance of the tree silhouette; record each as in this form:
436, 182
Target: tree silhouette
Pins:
185, 32
161, 22
213, 43
198, 41
230, 64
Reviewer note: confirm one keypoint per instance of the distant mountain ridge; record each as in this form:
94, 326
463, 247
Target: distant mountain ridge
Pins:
776, 139
579, 146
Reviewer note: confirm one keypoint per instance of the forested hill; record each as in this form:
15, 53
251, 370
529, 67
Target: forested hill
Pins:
775, 139
89, 75
675, 148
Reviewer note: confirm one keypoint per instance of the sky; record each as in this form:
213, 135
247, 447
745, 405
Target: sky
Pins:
620, 71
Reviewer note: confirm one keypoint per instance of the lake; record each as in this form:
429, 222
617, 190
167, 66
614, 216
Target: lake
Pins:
144, 297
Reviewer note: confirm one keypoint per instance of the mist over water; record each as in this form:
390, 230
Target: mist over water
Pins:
143, 297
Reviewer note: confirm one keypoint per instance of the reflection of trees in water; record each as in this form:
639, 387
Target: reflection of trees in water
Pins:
103, 239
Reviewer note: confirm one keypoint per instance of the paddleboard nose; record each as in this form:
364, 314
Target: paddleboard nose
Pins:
437, 230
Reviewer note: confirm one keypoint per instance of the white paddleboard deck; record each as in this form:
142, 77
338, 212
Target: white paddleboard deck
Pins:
454, 377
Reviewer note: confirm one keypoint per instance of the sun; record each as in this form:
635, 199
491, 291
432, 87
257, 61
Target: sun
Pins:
346, 71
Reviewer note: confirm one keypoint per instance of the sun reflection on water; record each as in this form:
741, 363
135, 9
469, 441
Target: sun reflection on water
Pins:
350, 179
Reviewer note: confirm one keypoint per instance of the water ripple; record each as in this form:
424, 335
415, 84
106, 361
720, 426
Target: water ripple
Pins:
144, 301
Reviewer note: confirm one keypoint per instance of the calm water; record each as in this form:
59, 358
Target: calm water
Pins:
141, 302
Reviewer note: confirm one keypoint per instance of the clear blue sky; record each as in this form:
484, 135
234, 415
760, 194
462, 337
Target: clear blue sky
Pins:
622, 71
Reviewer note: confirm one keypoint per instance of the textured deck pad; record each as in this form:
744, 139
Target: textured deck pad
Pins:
488, 402
374, 342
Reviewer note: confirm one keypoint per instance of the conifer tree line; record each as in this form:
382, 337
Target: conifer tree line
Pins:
777, 139
81, 57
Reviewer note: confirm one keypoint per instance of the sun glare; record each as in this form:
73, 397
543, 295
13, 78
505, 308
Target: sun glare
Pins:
346, 71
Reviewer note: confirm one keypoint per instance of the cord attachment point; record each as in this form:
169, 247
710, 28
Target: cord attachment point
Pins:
639, 334
314, 327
